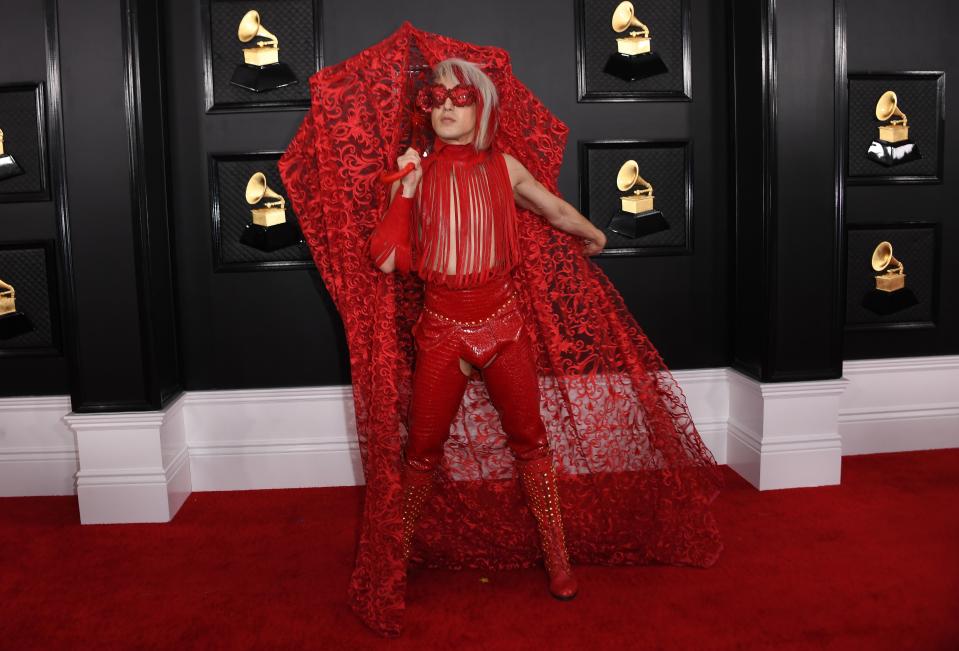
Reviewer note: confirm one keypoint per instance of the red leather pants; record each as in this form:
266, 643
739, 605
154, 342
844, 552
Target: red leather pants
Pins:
476, 324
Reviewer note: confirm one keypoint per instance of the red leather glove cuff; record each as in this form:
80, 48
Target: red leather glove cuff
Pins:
393, 234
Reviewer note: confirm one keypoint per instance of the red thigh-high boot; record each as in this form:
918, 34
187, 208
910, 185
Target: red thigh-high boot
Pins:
417, 488
438, 386
539, 481
511, 381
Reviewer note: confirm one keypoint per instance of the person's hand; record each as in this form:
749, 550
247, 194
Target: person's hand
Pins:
411, 180
595, 244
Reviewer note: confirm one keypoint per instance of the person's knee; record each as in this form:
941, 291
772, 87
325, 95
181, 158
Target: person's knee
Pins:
428, 433
423, 458
527, 439
529, 450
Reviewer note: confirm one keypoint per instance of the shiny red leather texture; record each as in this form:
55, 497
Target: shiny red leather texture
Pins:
494, 342
492, 309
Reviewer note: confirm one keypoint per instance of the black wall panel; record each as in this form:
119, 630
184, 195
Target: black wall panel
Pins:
920, 38
787, 298
274, 328
144, 310
96, 161
806, 338
36, 220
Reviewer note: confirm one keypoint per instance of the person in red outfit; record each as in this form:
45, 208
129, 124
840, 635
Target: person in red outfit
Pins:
452, 220
636, 478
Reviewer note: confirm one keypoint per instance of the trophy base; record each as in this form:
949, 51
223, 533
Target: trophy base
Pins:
886, 303
640, 225
9, 167
893, 153
14, 324
270, 238
632, 67
263, 78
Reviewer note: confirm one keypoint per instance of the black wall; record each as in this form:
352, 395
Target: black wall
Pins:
106, 217
921, 37
272, 328
787, 296
143, 311
28, 54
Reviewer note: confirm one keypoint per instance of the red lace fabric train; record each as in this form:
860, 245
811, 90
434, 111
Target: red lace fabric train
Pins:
635, 478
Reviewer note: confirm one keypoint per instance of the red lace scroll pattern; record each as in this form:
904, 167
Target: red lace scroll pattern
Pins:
635, 478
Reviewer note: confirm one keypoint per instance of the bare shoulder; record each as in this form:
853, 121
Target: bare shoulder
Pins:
517, 171
512, 163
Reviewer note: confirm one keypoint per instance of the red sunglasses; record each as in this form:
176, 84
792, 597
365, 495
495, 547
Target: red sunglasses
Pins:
434, 96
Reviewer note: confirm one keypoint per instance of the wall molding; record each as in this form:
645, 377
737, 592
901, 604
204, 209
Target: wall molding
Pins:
894, 405
134, 466
305, 436
784, 435
38, 452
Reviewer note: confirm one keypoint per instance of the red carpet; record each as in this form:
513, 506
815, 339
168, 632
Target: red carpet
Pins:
871, 564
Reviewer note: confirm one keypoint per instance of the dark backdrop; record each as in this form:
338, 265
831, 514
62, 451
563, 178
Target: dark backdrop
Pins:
920, 37
35, 363
278, 327
273, 328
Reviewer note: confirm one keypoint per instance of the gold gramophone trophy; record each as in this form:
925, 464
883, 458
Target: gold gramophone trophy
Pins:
894, 277
261, 69
634, 58
269, 229
8, 166
893, 146
890, 295
12, 323
637, 216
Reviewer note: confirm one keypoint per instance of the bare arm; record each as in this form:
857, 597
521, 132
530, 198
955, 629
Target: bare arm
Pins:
533, 195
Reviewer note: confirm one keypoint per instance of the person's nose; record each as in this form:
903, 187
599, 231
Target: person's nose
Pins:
448, 104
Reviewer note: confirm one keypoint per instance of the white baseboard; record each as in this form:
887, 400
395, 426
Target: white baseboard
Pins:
38, 452
134, 466
784, 434
896, 405
707, 396
272, 438
305, 437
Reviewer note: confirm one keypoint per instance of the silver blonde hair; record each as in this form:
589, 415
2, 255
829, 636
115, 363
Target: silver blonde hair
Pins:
446, 71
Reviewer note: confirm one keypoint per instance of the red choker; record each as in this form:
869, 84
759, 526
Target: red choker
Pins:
467, 152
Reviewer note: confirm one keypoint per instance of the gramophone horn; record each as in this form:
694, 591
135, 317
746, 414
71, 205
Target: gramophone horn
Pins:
256, 189
628, 174
250, 28
882, 257
886, 107
648, 189
624, 17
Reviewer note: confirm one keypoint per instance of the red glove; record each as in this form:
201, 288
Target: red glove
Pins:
393, 234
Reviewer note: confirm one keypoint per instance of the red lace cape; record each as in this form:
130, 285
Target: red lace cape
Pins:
636, 480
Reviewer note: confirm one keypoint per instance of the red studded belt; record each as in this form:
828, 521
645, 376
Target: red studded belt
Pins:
477, 322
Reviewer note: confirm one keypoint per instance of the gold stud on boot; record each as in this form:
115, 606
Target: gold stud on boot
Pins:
539, 481
417, 487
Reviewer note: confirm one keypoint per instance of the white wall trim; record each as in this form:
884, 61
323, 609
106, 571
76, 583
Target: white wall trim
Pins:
895, 405
901, 364
38, 452
877, 413
784, 434
134, 466
305, 436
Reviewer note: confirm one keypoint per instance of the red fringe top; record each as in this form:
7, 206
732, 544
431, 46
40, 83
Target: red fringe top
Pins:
466, 219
